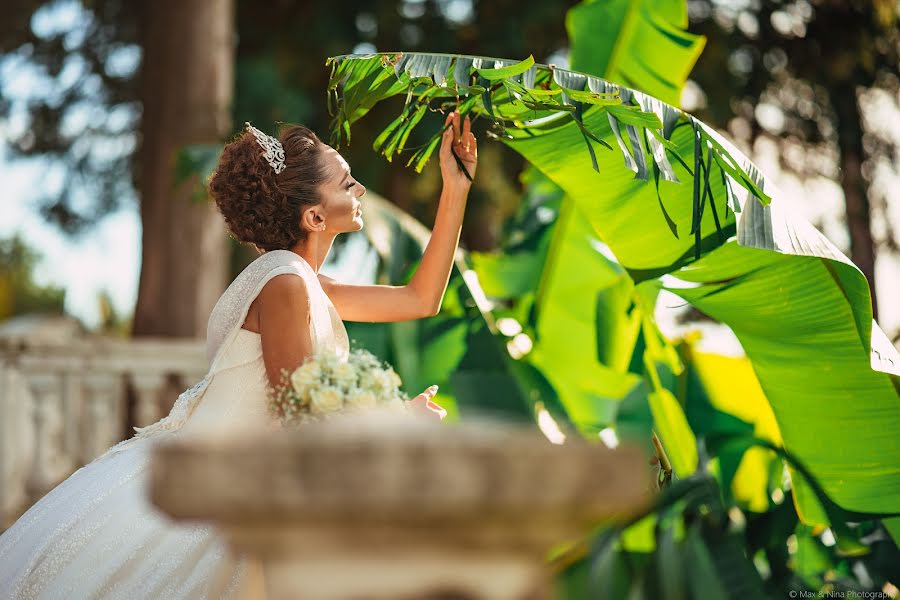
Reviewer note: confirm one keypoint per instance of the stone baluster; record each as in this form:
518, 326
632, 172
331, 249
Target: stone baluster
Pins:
104, 412
17, 443
149, 387
50, 462
383, 507
73, 416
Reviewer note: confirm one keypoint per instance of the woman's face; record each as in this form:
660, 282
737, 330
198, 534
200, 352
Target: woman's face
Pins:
340, 209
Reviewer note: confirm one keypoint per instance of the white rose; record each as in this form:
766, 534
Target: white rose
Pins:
345, 374
302, 394
367, 381
381, 380
326, 400
328, 360
363, 358
362, 399
305, 375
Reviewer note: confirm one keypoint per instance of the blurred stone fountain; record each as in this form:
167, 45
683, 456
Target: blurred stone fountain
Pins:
383, 506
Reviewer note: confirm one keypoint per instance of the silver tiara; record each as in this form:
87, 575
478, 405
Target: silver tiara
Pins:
274, 150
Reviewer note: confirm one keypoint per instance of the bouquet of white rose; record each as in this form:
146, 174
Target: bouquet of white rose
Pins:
326, 384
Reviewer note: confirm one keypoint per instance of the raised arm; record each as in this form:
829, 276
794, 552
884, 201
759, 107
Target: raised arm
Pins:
423, 295
284, 325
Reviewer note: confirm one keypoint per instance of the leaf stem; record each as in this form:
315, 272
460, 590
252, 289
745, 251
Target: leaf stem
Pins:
459, 162
461, 165
664, 463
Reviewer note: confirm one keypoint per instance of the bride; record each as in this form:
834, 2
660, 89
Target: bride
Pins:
95, 535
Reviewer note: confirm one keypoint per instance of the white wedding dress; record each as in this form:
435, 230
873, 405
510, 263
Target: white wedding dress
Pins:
96, 535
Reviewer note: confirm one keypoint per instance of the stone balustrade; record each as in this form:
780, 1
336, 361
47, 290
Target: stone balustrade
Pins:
65, 397
384, 507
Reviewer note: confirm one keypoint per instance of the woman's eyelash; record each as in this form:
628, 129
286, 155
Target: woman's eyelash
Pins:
350, 185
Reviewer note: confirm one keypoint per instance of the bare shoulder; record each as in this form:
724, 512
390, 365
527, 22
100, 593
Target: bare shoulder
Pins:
328, 284
284, 293
285, 324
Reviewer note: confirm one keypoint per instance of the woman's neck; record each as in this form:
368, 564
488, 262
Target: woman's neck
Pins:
315, 248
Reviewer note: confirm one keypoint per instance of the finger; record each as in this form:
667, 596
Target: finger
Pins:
438, 410
446, 140
467, 126
448, 122
456, 131
422, 406
427, 395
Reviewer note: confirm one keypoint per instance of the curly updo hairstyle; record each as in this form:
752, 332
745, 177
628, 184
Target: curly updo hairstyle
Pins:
260, 207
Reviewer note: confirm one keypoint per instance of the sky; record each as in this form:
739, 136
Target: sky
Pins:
105, 258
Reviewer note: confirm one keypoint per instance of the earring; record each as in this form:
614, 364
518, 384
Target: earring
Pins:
322, 227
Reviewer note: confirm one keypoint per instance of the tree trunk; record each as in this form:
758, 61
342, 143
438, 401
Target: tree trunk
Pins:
186, 87
862, 246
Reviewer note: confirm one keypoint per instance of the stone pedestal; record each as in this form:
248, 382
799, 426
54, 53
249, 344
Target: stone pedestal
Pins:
385, 507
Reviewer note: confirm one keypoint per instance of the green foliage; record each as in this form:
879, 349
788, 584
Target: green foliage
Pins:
586, 307
459, 349
586, 110
618, 215
808, 365
195, 163
641, 44
701, 546
112, 323
278, 78
79, 109
820, 98
19, 293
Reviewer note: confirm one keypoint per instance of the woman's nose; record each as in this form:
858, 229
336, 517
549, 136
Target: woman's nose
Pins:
363, 190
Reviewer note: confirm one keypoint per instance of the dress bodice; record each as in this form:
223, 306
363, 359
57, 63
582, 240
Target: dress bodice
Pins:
235, 400
233, 393
236, 396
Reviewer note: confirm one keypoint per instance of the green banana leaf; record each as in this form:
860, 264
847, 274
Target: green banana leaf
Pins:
794, 316
651, 52
583, 337
643, 44
585, 299
728, 397
727, 198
